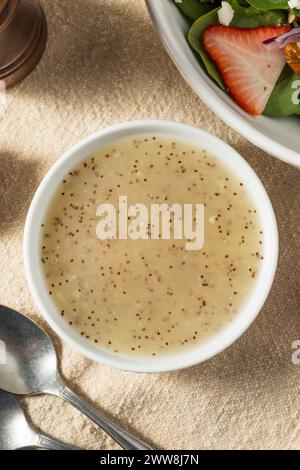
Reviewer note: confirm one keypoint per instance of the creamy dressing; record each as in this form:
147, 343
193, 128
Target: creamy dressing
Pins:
150, 297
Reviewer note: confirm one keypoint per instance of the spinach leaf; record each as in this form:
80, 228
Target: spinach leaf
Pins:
242, 3
194, 8
194, 37
270, 4
252, 17
243, 18
285, 97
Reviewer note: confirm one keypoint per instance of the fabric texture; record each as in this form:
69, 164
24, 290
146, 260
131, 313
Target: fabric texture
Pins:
104, 63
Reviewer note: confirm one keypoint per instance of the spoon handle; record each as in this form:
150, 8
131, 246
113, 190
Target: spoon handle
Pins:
45, 442
122, 437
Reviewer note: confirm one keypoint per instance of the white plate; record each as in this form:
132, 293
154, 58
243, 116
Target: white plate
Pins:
277, 136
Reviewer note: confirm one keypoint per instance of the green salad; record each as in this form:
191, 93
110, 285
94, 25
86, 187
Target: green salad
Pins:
250, 49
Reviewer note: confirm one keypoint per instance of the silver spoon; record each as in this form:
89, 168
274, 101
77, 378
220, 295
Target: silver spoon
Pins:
16, 432
30, 368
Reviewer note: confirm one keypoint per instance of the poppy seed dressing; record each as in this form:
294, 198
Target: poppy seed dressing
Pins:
150, 297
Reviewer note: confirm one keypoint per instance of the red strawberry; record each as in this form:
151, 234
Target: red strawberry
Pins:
249, 69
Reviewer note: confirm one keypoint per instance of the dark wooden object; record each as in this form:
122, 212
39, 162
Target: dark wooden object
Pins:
23, 36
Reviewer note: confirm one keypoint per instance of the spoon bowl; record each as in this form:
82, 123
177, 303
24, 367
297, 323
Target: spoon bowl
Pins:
30, 360
16, 432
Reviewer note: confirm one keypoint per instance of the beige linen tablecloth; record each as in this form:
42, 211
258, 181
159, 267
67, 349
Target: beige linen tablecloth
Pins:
104, 63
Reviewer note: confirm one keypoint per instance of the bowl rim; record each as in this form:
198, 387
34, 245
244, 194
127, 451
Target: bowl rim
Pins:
214, 102
39, 207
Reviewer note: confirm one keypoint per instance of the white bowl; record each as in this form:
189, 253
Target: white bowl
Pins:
47, 189
277, 136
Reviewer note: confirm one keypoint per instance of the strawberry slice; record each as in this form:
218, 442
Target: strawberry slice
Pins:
249, 69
